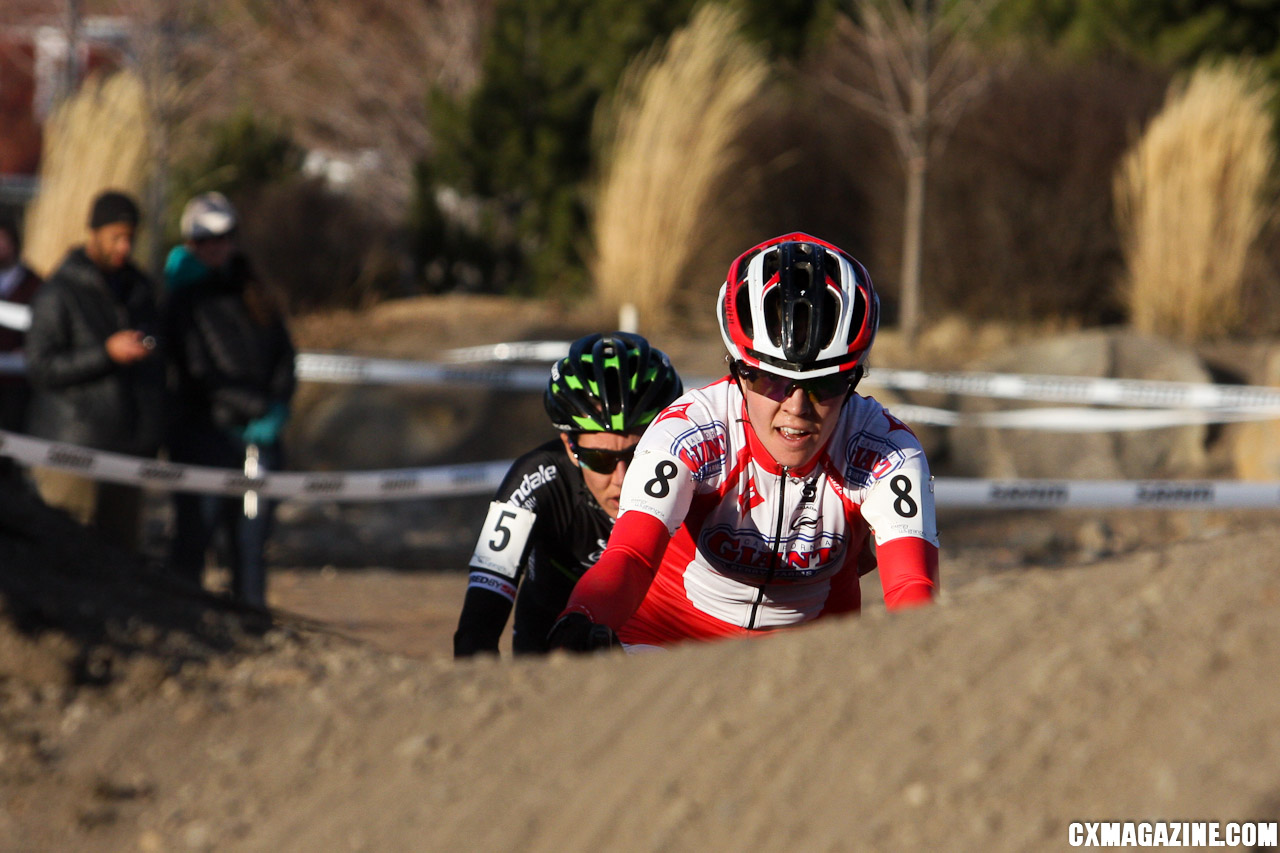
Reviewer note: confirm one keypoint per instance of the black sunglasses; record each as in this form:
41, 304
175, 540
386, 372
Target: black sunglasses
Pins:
602, 461
819, 389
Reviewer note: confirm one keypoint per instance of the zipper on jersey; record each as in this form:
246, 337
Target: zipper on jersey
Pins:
775, 550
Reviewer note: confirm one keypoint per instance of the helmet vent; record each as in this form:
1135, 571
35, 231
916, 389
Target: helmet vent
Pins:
859, 315
772, 263
743, 305
612, 391
801, 322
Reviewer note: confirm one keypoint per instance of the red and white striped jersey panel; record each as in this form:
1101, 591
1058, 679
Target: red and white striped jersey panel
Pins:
700, 470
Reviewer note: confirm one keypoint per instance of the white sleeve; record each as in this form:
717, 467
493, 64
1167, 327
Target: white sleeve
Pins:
899, 503
659, 484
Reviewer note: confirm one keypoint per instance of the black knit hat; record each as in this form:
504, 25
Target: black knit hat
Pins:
112, 207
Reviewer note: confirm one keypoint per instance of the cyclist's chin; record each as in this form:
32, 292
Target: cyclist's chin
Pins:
608, 500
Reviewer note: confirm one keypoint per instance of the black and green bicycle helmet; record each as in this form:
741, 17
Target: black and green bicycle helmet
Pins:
610, 383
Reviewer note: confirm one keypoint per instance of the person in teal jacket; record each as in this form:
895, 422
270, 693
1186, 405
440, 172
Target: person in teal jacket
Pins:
232, 378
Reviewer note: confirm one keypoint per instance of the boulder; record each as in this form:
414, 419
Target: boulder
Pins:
1256, 452
1120, 354
373, 427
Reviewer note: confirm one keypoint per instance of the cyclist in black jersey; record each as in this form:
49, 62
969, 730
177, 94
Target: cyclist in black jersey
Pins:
551, 517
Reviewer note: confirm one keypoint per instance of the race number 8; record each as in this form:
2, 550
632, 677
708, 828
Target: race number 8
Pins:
903, 504
660, 485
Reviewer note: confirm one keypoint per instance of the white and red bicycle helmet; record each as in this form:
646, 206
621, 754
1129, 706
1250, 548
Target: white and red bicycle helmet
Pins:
798, 306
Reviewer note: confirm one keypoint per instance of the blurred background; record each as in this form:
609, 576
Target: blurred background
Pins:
984, 158
1052, 186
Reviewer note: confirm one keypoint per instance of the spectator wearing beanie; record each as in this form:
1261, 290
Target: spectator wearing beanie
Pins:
94, 366
233, 379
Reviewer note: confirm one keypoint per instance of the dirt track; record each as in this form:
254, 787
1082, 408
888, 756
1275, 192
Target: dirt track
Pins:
1141, 688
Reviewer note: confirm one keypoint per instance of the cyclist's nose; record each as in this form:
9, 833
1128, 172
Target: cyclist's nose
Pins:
797, 402
619, 472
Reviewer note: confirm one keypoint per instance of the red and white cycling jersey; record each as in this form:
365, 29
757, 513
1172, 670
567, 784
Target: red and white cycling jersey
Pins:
715, 539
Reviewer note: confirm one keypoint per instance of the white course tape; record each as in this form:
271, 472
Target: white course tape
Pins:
14, 315
483, 478
543, 351
399, 484
1078, 419
957, 493
331, 367
1084, 390
1169, 404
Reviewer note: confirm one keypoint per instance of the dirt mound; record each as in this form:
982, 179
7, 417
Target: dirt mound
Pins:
1134, 689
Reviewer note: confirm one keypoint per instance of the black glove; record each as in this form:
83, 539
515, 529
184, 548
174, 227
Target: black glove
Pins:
574, 632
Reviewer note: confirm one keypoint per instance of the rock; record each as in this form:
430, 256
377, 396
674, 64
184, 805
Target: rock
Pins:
1142, 454
1256, 452
370, 427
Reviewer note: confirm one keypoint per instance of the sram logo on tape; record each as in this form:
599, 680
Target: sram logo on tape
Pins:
160, 472
241, 483
65, 456
330, 484
1177, 493
398, 483
1037, 493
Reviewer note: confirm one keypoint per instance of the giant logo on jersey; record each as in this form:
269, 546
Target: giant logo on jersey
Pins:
748, 552
870, 457
703, 449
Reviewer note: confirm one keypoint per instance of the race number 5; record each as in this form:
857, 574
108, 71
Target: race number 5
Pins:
500, 542
502, 539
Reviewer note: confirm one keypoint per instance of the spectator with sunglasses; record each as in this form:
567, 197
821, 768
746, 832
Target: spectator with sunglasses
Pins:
751, 503
551, 516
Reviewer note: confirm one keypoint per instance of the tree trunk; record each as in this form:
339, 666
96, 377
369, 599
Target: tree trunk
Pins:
912, 248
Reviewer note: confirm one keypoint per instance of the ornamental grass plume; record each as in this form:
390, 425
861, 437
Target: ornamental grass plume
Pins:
95, 140
665, 142
1191, 198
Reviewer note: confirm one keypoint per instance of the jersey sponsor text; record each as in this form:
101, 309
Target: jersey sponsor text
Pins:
749, 552
523, 494
702, 449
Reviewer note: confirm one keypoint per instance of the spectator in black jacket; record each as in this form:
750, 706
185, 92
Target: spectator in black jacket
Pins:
18, 284
234, 380
93, 363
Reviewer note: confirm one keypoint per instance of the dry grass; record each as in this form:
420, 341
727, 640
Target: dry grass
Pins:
95, 141
666, 142
1191, 201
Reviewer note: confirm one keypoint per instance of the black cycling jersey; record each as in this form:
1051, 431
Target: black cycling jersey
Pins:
543, 530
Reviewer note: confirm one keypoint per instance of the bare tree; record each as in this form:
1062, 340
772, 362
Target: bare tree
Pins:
920, 74
184, 61
354, 77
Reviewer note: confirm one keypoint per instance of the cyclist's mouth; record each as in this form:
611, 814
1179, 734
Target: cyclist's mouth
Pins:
793, 434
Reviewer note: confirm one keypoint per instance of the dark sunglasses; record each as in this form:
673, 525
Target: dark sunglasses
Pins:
602, 461
819, 389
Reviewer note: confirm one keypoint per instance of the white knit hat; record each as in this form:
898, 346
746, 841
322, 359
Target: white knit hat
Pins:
208, 215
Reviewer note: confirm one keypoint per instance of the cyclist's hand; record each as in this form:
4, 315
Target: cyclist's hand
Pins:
574, 632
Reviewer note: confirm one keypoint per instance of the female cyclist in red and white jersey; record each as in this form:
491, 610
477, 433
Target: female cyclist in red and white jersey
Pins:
750, 502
